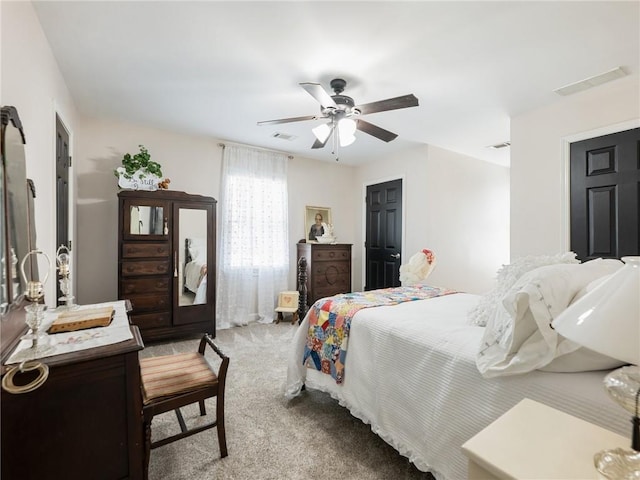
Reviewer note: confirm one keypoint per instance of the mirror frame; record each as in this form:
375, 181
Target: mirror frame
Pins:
8, 115
126, 219
184, 314
12, 324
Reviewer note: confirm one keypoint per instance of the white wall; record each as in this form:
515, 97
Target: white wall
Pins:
538, 191
320, 184
194, 165
455, 205
32, 82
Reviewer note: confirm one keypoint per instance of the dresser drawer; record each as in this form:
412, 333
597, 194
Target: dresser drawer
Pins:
152, 320
331, 272
322, 292
145, 285
319, 254
141, 250
149, 267
146, 303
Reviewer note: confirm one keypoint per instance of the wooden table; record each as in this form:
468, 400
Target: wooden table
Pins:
84, 423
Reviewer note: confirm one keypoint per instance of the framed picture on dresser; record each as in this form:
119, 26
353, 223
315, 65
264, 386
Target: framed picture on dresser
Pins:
314, 217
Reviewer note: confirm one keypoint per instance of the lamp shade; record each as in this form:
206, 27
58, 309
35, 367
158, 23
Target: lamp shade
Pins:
346, 130
607, 319
322, 132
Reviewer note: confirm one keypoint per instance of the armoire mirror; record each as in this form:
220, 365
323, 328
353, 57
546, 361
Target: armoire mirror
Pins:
147, 220
192, 278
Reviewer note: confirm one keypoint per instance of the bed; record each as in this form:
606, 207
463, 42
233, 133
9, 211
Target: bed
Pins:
411, 373
195, 268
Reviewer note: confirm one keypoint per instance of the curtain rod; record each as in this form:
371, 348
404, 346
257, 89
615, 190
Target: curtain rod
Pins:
223, 146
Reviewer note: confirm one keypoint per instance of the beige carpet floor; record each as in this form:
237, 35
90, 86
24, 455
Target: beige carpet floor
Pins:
268, 438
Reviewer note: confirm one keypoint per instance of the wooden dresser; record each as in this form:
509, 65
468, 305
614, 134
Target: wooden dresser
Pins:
328, 269
84, 422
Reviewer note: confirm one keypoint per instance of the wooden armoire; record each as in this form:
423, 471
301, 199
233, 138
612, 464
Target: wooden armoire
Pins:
157, 231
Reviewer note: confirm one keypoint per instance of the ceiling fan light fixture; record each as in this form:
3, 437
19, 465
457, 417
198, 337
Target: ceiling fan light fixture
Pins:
346, 140
322, 132
347, 127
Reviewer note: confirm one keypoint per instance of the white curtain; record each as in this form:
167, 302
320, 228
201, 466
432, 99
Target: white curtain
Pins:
253, 253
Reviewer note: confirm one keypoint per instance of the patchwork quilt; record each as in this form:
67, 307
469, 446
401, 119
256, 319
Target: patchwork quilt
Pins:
330, 322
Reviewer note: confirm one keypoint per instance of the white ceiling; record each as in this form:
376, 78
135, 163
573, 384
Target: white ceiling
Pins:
216, 68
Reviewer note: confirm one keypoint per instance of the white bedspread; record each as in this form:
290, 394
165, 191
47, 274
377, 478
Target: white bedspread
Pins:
410, 373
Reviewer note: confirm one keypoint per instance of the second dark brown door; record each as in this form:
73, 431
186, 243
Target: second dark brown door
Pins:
383, 241
605, 195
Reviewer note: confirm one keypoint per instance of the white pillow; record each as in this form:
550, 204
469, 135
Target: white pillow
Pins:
489, 304
522, 339
197, 248
583, 359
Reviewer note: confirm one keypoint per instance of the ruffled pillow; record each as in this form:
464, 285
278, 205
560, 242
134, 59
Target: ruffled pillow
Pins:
523, 340
490, 303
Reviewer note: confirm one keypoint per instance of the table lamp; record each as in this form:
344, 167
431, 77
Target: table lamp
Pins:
63, 260
607, 320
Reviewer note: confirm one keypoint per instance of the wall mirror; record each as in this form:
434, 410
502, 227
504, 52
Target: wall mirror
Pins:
18, 232
147, 220
193, 256
17, 229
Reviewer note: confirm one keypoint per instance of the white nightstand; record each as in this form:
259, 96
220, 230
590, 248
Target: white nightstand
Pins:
534, 441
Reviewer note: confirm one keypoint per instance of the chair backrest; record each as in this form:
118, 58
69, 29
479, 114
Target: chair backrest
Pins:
288, 299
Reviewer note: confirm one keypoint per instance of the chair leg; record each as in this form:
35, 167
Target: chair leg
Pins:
203, 411
147, 448
222, 439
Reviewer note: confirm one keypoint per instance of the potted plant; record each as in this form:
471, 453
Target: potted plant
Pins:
139, 172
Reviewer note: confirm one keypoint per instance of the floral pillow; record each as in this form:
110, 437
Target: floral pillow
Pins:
490, 303
522, 339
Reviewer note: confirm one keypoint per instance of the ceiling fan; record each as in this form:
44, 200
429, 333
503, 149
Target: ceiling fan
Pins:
344, 115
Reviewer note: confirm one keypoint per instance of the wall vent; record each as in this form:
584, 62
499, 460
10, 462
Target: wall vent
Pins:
591, 82
500, 145
284, 136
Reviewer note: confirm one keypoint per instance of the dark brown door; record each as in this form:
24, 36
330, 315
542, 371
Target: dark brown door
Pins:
383, 241
63, 163
605, 199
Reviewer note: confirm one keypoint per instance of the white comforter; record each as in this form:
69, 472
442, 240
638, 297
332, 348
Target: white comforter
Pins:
410, 372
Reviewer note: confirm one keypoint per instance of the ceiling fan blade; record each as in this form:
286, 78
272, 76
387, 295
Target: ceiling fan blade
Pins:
319, 144
389, 104
375, 131
289, 120
319, 93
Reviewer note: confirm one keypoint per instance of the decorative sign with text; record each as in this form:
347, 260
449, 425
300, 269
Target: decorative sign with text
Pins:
138, 181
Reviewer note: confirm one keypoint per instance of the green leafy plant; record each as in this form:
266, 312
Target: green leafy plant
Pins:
140, 161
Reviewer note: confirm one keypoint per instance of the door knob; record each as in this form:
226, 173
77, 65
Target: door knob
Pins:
395, 255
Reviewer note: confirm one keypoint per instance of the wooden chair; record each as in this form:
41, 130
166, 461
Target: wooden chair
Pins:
287, 303
173, 381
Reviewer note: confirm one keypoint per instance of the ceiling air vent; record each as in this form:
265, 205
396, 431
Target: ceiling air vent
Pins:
284, 136
591, 82
500, 145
